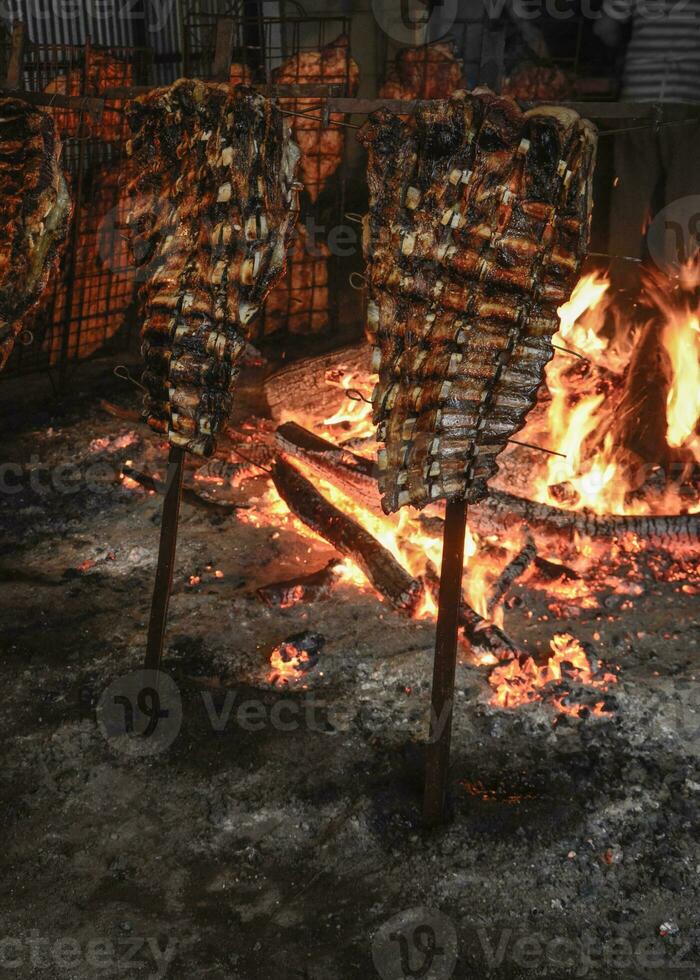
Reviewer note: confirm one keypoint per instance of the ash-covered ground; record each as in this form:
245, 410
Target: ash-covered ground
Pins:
275, 832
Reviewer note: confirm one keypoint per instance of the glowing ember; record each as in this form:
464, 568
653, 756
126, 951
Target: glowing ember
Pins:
293, 659
523, 681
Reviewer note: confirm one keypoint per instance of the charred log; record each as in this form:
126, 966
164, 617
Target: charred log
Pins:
313, 383
477, 631
351, 473
516, 567
503, 510
378, 564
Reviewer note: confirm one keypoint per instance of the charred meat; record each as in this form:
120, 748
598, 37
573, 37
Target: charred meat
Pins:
478, 224
35, 211
214, 201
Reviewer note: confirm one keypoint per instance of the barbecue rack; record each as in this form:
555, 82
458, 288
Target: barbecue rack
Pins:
83, 167
89, 305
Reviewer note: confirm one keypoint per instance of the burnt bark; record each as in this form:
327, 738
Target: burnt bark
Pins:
348, 537
304, 388
516, 567
351, 473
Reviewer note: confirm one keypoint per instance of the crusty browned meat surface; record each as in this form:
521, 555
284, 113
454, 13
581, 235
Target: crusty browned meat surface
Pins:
214, 202
300, 303
532, 83
321, 146
429, 71
478, 224
34, 212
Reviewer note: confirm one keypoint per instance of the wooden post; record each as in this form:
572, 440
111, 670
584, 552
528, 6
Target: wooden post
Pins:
71, 261
492, 69
438, 754
166, 559
15, 62
223, 48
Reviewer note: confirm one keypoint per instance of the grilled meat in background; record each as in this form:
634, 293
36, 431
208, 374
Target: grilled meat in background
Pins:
35, 211
321, 146
478, 224
214, 202
430, 71
102, 72
301, 302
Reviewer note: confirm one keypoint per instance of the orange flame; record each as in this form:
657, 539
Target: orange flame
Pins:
523, 681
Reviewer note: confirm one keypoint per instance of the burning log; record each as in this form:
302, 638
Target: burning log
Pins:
303, 588
512, 572
484, 636
351, 473
500, 510
551, 571
378, 564
312, 384
189, 496
503, 510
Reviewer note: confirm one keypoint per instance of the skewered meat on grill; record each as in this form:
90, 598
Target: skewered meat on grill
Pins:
321, 147
214, 206
533, 83
100, 266
103, 72
430, 71
240, 74
35, 210
300, 303
478, 224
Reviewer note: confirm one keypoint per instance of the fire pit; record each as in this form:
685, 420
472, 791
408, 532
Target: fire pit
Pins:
576, 719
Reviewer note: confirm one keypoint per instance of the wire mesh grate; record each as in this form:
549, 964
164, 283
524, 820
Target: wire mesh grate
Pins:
89, 303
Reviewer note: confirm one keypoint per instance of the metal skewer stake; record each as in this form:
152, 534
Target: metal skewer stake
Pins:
166, 559
437, 761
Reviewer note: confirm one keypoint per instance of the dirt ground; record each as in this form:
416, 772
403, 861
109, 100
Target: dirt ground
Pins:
275, 833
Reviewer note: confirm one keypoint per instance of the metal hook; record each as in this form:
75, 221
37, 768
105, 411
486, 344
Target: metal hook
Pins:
530, 445
573, 353
122, 372
357, 396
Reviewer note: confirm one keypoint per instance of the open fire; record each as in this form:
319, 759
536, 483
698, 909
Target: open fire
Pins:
621, 410
589, 413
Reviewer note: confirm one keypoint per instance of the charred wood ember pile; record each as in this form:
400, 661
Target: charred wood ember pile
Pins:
35, 210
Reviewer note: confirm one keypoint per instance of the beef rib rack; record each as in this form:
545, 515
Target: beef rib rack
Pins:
214, 203
35, 210
478, 224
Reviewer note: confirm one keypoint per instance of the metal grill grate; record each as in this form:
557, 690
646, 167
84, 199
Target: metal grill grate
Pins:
89, 304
